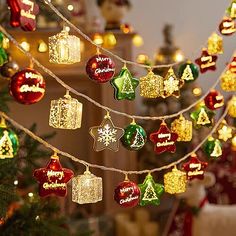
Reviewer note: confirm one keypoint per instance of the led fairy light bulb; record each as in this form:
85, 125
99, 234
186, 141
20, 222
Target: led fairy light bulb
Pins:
86, 188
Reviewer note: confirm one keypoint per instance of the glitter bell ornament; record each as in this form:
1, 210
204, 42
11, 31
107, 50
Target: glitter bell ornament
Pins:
184, 129
215, 44
9, 143
228, 81
232, 107
151, 86
86, 188
175, 181
64, 48
65, 113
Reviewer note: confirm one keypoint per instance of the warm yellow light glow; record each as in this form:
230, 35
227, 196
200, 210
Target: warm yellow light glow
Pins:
25, 45
137, 40
109, 40
233, 142
98, 39
197, 91
42, 46
142, 58
178, 57
15, 182
70, 7
30, 194
5, 43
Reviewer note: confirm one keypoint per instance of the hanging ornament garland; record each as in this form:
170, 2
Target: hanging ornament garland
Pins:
188, 71
175, 181
202, 117
214, 100
106, 135
127, 194
213, 148
100, 68
164, 140
215, 44
66, 113
27, 86
151, 85
195, 168
53, 178
23, 14
206, 61
9, 143
227, 26
225, 132
124, 85
150, 191
183, 128
134, 137
86, 188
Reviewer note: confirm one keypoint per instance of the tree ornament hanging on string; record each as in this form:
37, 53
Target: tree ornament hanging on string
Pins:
9, 143
202, 117
150, 191
23, 14
214, 100
164, 140
206, 61
232, 65
106, 135
9, 68
127, 194
175, 181
172, 84
227, 26
27, 86
134, 137
53, 178
232, 107
86, 188
64, 48
3, 54
184, 129
188, 71
231, 10
100, 68
124, 85
195, 168
213, 148
66, 113
225, 132
215, 44
151, 85
228, 81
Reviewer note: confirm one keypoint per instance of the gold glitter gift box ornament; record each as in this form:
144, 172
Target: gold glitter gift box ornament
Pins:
215, 44
184, 129
228, 81
175, 181
64, 48
66, 113
232, 107
151, 85
86, 188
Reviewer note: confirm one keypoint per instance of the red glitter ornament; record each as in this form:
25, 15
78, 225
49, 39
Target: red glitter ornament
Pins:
206, 62
127, 194
27, 86
195, 168
23, 13
214, 100
227, 26
100, 68
164, 139
53, 178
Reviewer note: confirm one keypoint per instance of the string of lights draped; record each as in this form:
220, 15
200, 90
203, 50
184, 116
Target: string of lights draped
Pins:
72, 90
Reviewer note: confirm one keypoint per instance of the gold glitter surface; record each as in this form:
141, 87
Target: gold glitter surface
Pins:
228, 81
175, 181
86, 188
232, 107
215, 44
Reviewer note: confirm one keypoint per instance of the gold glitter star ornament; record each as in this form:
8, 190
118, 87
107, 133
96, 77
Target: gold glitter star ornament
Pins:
87, 188
106, 135
151, 85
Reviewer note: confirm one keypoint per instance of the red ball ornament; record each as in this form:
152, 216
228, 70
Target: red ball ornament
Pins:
214, 100
127, 194
227, 26
27, 86
100, 68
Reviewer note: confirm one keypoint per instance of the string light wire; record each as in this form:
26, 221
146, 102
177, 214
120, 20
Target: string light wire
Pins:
125, 172
72, 90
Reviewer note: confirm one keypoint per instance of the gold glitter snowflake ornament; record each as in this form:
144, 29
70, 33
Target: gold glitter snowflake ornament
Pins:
224, 131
